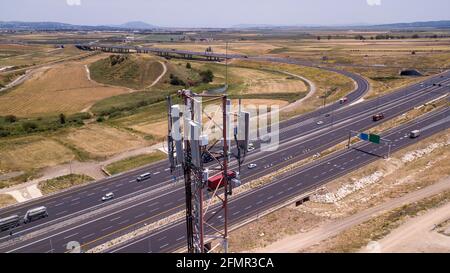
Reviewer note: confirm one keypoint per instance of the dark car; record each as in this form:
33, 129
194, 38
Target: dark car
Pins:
378, 117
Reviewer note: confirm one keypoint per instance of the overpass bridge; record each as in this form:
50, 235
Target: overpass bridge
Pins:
164, 52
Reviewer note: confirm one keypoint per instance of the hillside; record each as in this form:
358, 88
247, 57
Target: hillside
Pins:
136, 72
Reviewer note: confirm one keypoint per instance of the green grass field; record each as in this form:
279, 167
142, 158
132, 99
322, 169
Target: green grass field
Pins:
134, 162
63, 182
132, 71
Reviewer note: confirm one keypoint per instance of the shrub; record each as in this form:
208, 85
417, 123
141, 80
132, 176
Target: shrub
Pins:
10, 118
207, 76
29, 126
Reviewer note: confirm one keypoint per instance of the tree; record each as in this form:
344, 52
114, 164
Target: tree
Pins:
10, 118
29, 126
318, 38
207, 76
188, 66
62, 118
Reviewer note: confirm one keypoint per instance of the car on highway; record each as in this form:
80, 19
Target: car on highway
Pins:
320, 122
378, 117
251, 166
34, 214
108, 196
143, 177
414, 133
249, 149
343, 100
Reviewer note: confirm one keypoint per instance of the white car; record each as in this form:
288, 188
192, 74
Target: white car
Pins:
108, 196
320, 122
251, 166
249, 149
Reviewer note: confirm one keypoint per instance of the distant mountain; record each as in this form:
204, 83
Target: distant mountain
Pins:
137, 25
428, 24
17, 25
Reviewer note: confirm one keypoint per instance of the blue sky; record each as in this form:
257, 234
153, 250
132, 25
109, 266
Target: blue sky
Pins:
224, 13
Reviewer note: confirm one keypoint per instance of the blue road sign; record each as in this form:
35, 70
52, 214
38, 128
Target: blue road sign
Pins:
364, 136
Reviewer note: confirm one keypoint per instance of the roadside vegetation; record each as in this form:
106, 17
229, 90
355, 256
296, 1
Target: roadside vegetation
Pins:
63, 182
6, 200
134, 162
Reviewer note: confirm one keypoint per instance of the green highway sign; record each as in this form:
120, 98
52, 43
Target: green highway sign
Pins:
375, 138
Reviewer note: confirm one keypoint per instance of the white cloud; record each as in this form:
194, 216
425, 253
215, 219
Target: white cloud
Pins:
374, 2
73, 2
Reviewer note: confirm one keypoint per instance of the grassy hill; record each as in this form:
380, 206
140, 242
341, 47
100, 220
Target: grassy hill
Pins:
136, 72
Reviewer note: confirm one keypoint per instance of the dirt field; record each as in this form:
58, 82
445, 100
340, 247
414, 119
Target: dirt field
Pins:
102, 141
159, 128
63, 88
252, 48
32, 153
418, 235
6, 200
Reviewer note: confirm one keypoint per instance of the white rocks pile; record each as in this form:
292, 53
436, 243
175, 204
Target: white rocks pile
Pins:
348, 189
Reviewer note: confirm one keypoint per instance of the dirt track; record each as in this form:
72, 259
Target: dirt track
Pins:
302, 241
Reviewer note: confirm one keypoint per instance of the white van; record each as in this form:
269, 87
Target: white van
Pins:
143, 177
414, 134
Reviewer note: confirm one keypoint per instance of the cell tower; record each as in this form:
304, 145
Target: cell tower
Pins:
189, 149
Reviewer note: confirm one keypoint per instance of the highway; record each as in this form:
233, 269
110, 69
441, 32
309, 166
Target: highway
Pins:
157, 198
293, 184
87, 198
152, 209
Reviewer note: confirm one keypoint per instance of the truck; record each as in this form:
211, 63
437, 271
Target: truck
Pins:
9, 222
34, 214
414, 134
219, 181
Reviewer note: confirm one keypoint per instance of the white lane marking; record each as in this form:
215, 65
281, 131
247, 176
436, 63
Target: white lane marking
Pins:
237, 212
59, 204
114, 219
107, 228
70, 236
62, 212
105, 189
248, 207
259, 202
167, 169
87, 236
179, 239
162, 238
123, 222
168, 204
76, 203
91, 194
140, 215
270, 197
156, 173
119, 185
154, 210
163, 246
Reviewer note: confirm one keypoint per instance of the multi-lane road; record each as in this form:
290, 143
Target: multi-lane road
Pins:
293, 184
78, 215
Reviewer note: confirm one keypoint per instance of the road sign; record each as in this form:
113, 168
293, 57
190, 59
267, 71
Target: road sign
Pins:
364, 136
375, 138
